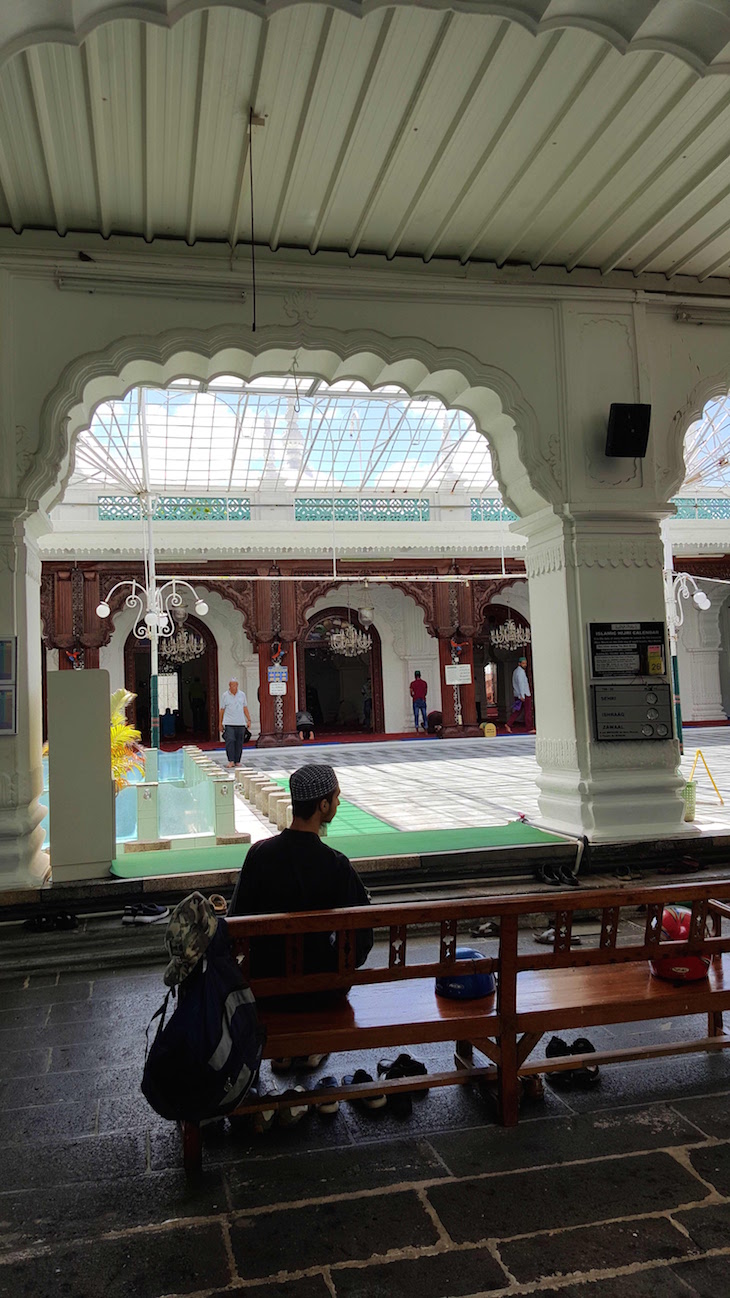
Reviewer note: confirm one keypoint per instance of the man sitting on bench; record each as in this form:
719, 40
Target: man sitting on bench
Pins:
296, 871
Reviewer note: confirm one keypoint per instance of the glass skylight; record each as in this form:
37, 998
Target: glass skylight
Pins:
278, 434
707, 449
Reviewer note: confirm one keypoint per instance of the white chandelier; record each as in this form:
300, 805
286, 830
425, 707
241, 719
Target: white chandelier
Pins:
182, 648
349, 642
510, 636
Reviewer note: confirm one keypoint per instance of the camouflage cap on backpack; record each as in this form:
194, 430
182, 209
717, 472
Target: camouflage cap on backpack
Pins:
190, 930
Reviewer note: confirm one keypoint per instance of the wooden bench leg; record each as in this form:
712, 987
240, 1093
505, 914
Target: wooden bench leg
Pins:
714, 1023
192, 1149
509, 1084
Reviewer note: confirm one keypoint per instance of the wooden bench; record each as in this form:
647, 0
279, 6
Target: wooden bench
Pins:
538, 991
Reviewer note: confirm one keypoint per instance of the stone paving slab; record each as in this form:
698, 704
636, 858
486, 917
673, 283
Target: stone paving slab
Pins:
595, 1248
457, 1273
563, 1140
312, 1175
294, 1239
504, 1205
142, 1265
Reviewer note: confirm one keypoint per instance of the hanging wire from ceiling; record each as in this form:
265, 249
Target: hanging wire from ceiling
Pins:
253, 242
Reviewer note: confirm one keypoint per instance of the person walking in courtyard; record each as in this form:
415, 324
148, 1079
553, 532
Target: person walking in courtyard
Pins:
523, 699
235, 718
419, 690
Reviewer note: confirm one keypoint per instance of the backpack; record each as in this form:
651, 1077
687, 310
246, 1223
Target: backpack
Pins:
203, 1061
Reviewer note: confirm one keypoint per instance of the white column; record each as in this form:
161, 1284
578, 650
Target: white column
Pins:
23, 863
699, 660
597, 566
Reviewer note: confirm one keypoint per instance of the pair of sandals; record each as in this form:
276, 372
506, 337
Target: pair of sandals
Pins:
587, 1075
400, 1103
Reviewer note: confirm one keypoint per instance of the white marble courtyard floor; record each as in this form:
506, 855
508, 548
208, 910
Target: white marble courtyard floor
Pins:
459, 783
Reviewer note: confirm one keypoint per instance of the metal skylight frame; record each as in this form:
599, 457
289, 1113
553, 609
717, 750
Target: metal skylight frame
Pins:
229, 437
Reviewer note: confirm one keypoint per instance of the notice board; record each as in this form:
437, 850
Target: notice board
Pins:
625, 650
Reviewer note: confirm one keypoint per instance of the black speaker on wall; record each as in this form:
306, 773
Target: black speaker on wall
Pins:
628, 431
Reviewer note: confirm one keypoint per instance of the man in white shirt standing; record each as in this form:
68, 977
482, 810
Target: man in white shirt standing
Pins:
523, 696
234, 719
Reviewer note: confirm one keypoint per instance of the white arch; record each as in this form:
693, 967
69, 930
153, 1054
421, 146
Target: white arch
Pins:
490, 395
709, 388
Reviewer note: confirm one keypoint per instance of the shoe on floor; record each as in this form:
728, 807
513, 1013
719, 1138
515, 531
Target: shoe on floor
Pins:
589, 1074
358, 1078
402, 1066
309, 1062
548, 938
490, 929
290, 1116
145, 913
559, 1049
219, 904
264, 1120
283, 1065
332, 1106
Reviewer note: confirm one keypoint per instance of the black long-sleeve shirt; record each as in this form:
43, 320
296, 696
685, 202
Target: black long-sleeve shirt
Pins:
296, 871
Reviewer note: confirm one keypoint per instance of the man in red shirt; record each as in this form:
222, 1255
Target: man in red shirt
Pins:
419, 690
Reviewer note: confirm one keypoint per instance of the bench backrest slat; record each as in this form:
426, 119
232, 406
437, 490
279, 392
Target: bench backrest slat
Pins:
702, 899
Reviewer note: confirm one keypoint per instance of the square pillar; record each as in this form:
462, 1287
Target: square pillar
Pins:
600, 565
23, 862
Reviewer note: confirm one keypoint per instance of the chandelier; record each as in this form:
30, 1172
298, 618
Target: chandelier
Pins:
349, 642
182, 648
510, 636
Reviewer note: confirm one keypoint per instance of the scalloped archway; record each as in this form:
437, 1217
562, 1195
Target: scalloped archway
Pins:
490, 395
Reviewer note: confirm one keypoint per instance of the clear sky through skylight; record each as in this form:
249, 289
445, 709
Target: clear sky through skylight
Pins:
269, 435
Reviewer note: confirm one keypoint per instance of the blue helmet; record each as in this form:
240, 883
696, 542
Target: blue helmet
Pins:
466, 987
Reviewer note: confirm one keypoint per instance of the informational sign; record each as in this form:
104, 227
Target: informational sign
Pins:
627, 649
458, 674
277, 687
632, 711
278, 674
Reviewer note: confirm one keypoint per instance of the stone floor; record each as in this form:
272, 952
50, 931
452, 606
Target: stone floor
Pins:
620, 1191
457, 783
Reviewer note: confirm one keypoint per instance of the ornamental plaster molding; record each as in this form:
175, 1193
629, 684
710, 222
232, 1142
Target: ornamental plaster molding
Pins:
619, 553
300, 306
458, 378
696, 32
545, 559
557, 754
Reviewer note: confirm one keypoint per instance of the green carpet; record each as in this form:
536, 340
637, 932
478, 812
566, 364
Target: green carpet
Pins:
350, 820
391, 842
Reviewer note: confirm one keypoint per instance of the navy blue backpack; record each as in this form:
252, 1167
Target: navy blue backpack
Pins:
204, 1059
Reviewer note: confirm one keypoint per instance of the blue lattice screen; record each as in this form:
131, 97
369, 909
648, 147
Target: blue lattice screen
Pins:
187, 509
351, 509
490, 510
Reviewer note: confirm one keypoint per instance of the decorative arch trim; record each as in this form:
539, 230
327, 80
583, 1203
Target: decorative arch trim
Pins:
489, 394
697, 37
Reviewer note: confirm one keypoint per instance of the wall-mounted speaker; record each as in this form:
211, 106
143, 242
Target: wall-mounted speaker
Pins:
628, 431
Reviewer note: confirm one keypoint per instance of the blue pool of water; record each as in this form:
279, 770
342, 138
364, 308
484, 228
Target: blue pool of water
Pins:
181, 810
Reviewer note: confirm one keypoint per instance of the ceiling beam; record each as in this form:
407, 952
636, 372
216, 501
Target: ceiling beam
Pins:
291, 165
679, 232
717, 161
536, 151
43, 119
608, 176
197, 126
520, 99
347, 144
403, 128
445, 141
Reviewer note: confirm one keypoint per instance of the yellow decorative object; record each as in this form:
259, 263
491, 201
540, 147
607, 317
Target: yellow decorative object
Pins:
488, 729
127, 754
699, 754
